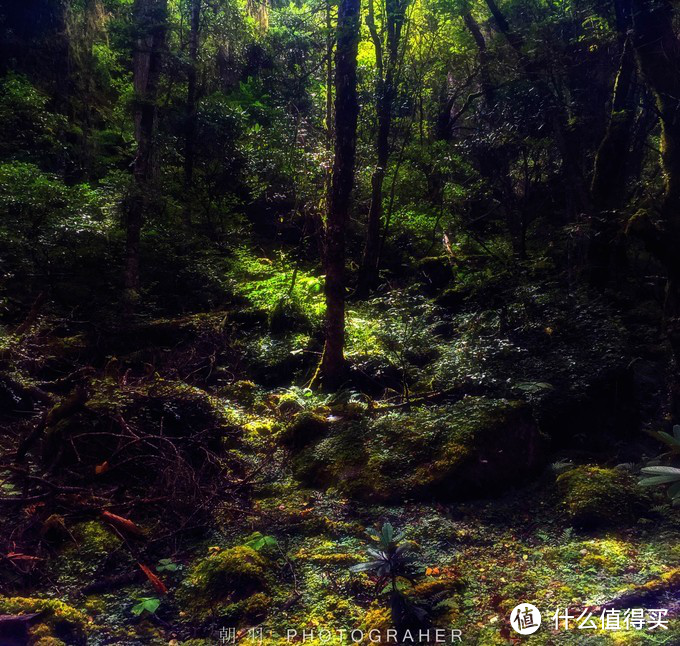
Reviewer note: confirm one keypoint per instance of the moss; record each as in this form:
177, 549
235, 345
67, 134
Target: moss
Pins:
305, 428
343, 560
608, 555
92, 547
62, 621
377, 618
427, 589
595, 496
94, 605
448, 451
49, 641
249, 610
243, 391
215, 583
435, 271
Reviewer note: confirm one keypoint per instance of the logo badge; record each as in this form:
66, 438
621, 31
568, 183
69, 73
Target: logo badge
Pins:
525, 619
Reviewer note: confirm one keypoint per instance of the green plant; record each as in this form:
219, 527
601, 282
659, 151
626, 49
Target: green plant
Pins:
168, 565
259, 542
661, 475
389, 567
146, 604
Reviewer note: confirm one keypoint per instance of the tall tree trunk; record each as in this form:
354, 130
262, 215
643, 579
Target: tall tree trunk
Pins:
494, 163
385, 92
150, 25
329, 97
485, 83
191, 117
555, 114
608, 188
657, 50
346, 113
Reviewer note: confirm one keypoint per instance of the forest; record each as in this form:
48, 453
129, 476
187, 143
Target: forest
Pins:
339, 322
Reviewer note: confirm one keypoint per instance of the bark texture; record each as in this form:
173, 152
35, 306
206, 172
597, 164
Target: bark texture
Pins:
346, 112
386, 71
150, 25
657, 51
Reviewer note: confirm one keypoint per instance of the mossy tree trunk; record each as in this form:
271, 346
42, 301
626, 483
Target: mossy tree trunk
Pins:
611, 167
346, 113
192, 100
150, 24
386, 73
657, 50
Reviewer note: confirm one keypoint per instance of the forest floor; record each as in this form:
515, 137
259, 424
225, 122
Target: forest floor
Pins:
498, 424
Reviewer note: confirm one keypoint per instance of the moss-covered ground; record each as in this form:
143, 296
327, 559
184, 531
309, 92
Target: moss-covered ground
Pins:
500, 428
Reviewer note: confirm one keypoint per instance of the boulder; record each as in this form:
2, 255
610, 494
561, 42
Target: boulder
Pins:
473, 447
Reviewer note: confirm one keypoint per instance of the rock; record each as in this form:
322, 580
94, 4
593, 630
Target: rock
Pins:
305, 428
435, 271
470, 448
58, 624
228, 583
595, 496
453, 297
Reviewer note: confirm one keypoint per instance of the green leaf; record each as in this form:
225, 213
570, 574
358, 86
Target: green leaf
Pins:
167, 565
387, 534
676, 432
146, 604
373, 534
657, 480
258, 542
674, 490
366, 567
670, 471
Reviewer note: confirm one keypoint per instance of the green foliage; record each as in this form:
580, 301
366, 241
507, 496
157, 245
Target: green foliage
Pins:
259, 542
168, 565
660, 475
597, 496
28, 129
391, 561
146, 604
278, 287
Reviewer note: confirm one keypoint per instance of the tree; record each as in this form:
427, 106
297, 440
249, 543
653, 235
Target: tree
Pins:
386, 72
608, 187
657, 51
192, 98
556, 116
150, 24
346, 114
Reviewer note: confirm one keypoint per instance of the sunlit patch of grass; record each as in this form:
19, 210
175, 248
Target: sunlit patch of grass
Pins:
266, 281
362, 333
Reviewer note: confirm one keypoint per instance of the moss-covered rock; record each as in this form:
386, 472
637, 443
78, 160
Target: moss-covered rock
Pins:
473, 446
596, 496
226, 583
90, 550
59, 622
435, 271
305, 428
453, 297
